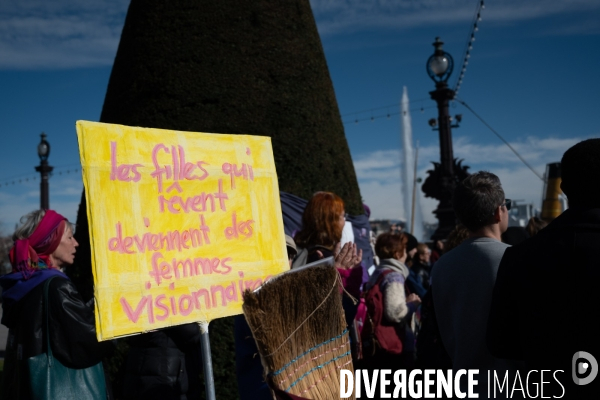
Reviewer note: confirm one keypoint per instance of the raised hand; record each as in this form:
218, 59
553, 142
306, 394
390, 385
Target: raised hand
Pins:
348, 256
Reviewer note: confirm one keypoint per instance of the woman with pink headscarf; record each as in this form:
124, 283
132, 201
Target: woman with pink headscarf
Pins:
43, 246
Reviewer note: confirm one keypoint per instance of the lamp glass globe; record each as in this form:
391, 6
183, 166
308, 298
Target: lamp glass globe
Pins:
439, 65
42, 149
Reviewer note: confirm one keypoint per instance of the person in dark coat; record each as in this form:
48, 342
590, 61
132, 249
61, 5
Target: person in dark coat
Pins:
164, 364
43, 245
515, 235
414, 282
546, 299
421, 266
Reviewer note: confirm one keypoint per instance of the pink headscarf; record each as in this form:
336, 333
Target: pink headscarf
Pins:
32, 254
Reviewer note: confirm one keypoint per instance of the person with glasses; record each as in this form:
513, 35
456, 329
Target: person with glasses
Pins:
514, 234
463, 278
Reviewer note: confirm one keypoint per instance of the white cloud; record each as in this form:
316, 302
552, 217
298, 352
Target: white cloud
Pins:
22, 198
41, 34
378, 172
60, 33
342, 16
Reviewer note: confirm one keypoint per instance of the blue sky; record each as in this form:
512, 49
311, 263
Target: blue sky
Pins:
532, 76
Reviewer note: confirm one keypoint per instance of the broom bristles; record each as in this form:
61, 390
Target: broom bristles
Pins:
299, 327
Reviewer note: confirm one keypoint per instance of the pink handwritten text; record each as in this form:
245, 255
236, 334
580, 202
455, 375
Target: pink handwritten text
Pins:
122, 172
179, 168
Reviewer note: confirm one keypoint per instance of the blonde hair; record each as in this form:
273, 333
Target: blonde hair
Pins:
422, 248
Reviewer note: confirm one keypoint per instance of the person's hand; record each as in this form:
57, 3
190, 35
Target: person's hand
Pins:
413, 298
348, 256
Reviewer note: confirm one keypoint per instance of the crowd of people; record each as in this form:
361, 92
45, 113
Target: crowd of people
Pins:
484, 298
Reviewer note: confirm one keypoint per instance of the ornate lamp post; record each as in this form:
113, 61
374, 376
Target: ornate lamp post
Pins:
443, 178
44, 169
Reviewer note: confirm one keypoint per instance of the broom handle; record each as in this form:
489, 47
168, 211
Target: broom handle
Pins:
209, 382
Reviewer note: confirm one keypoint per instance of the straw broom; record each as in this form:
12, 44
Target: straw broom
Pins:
299, 327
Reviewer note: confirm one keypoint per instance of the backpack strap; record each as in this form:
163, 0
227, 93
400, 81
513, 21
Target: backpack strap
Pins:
376, 333
300, 258
379, 280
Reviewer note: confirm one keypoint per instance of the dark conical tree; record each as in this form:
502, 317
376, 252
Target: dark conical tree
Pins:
254, 67
230, 66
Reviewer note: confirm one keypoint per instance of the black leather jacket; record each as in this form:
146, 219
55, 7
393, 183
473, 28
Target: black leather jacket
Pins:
72, 334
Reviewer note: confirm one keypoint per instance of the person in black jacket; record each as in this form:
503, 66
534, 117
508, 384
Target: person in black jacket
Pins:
546, 300
421, 265
164, 364
43, 245
414, 282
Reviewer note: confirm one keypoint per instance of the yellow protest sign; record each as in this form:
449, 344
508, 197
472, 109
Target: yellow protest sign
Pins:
181, 223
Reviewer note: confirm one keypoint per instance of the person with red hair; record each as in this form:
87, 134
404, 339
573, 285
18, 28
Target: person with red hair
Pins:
43, 246
322, 224
393, 328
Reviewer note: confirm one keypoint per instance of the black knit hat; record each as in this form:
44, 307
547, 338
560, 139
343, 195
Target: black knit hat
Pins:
412, 242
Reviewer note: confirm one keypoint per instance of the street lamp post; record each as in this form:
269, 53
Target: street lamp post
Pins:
44, 169
443, 178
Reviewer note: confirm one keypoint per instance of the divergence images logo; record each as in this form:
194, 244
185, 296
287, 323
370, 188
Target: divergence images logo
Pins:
584, 364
